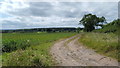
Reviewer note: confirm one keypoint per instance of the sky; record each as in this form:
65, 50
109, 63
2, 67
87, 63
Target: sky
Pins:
21, 14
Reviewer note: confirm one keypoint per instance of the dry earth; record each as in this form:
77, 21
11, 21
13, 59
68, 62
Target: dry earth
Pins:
69, 52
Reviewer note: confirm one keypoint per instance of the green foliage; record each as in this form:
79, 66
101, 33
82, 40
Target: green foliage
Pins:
110, 27
37, 54
14, 41
37, 62
103, 43
89, 22
13, 45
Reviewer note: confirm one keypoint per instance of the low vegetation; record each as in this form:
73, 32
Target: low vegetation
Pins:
112, 27
29, 49
104, 43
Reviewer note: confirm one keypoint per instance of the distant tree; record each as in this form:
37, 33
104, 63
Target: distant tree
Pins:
89, 22
78, 29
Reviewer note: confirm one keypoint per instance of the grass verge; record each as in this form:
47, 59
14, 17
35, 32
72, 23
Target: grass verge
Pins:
103, 43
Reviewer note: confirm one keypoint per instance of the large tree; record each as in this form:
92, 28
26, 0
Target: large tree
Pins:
89, 22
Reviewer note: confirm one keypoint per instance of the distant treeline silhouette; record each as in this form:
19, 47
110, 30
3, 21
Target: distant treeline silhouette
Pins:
44, 30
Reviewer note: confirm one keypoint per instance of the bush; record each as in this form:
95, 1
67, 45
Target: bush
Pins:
13, 45
111, 27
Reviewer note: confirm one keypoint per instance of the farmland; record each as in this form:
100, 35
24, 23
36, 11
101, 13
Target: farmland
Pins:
29, 49
33, 49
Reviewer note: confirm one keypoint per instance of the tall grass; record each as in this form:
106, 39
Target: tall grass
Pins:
36, 54
104, 43
14, 41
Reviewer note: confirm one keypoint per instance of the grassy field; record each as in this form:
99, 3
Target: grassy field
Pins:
103, 43
29, 49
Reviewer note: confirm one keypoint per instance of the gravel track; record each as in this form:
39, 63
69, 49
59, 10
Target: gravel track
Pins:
69, 52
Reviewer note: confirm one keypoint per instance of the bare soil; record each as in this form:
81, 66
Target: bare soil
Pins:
69, 52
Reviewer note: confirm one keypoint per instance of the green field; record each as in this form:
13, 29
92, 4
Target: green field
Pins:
104, 43
32, 49
29, 49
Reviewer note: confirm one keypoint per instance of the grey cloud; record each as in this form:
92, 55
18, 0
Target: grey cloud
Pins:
43, 5
41, 8
16, 24
0, 3
69, 9
107, 9
119, 10
20, 12
61, 10
46, 9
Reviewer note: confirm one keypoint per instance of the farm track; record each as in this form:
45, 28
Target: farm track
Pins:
69, 52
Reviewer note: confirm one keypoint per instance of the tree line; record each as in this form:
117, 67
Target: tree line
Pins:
64, 29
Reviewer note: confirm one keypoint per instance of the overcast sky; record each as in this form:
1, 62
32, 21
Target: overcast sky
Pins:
14, 15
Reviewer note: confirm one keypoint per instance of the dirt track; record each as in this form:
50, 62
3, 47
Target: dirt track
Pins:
69, 52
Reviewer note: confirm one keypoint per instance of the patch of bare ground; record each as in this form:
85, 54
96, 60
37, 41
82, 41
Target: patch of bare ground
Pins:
73, 53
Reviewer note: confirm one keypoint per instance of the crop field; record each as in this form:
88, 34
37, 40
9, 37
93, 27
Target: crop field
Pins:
29, 49
104, 43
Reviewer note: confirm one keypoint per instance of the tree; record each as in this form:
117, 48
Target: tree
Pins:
78, 29
89, 22
102, 20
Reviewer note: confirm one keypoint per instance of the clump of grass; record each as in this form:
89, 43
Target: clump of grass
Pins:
13, 45
104, 43
37, 62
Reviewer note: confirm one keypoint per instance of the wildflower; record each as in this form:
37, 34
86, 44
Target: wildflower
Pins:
28, 40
